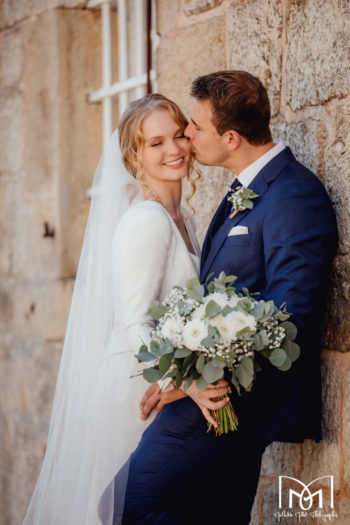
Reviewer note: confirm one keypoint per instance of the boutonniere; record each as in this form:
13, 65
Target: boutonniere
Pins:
242, 199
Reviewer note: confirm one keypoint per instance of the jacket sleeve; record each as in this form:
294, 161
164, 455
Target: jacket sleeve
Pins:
299, 242
140, 253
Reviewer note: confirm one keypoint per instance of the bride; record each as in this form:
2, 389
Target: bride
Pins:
138, 244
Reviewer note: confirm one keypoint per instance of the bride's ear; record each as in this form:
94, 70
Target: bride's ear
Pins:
233, 139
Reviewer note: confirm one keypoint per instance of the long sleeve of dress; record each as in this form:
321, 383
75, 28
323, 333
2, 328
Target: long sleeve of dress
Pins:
141, 250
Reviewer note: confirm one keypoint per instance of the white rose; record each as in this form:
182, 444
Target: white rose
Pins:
225, 326
172, 329
193, 333
240, 320
199, 312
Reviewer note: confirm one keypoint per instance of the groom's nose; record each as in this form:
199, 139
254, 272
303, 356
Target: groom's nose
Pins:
188, 130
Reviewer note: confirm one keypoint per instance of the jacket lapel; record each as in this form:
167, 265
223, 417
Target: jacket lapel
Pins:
259, 185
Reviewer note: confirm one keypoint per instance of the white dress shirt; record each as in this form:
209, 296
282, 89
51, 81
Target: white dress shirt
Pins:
249, 173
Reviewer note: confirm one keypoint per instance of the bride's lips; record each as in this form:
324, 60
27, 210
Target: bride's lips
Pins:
178, 163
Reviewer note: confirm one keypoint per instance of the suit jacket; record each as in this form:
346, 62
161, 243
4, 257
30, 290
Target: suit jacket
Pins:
286, 256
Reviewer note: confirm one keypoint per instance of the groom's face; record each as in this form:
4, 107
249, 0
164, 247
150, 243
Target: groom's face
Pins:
209, 147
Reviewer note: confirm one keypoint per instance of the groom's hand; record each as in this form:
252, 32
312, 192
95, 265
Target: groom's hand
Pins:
154, 398
203, 398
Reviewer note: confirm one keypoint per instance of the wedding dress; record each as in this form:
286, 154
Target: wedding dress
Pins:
133, 254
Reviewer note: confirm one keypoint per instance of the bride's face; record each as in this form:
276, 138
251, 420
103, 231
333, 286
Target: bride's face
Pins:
165, 153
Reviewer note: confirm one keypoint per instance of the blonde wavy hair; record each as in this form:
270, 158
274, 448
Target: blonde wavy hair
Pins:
131, 138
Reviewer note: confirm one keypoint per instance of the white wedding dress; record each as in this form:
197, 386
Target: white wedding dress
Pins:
152, 257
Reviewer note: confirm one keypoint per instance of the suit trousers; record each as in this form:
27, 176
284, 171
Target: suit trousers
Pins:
182, 475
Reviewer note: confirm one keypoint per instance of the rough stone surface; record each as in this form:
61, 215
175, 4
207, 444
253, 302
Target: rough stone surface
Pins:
211, 189
10, 131
346, 426
198, 6
331, 388
167, 15
255, 43
338, 172
321, 459
254, 515
307, 140
188, 53
270, 506
318, 48
11, 57
12, 12
281, 459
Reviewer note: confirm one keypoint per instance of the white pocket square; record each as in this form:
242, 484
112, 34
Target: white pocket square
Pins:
238, 230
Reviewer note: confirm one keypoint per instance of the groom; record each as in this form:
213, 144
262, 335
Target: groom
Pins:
282, 248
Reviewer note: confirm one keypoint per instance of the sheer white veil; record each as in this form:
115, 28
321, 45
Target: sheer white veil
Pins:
72, 477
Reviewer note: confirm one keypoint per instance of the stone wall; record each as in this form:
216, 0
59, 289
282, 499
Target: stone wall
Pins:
50, 142
301, 51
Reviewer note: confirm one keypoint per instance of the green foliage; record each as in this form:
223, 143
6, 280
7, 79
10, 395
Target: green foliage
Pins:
291, 330
212, 309
212, 373
245, 372
165, 362
278, 357
156, 311
178, 378
144, 357
201, 383
200, 363
195, 290
182, 352
292, 350
152, 375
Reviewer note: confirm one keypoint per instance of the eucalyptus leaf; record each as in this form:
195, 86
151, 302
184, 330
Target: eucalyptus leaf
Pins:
155, 348
220, 363
201, 383
292, 350
291, 330
231, 278
245, 304
182, 352
188, 383
212, 373
245, 332
245, 372
144, 357
235, 382
286, 365
178, 379
245, 290
157, 311
212, 309
209, 276
214, 333
200, 363
143, 348
278, 357
165, 362
207, 342
152, 374
258, 311
165, 347
227, 310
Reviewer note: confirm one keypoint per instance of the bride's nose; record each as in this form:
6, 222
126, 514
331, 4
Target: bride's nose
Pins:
173, 148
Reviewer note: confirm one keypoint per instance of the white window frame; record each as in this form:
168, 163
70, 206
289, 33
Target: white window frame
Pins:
126, 83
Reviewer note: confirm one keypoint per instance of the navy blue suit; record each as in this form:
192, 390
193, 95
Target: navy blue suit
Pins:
179, 474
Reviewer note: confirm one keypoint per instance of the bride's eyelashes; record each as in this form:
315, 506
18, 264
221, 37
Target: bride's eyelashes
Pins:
158, 143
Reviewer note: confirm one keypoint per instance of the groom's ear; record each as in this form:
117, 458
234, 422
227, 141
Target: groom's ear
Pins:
233, 139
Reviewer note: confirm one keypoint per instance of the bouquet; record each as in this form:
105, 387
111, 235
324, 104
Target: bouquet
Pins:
203, 329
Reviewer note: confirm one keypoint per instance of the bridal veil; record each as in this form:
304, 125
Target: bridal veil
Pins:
76, 468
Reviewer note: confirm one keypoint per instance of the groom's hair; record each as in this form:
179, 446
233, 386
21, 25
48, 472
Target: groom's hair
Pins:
239, 102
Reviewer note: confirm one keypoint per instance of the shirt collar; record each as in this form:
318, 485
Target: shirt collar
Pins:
249, 173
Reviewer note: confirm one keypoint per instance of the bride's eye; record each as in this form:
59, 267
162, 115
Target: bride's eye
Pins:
155, 144
181, 136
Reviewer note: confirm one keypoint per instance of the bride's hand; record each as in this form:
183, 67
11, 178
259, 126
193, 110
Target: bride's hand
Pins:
203, 397
153, 398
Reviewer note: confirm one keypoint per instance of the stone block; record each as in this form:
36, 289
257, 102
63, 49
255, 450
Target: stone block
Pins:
211, 189
28, 374
192, 7
254, 515
318, 48
167, 15
10, 131
281, 459
80, 133
187, 53
41, 309
337, 319
321, 459
255, 43
13, 12
331, 388
338, 172
346, 425
9, 205
307, 140
27, 436
270, 507
11, 58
